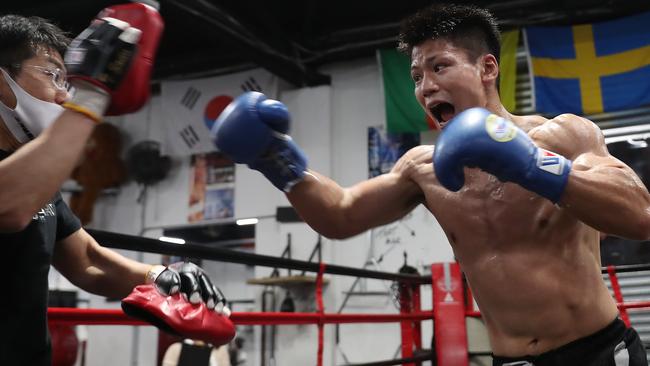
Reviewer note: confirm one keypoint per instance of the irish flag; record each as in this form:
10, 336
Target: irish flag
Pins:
403, 112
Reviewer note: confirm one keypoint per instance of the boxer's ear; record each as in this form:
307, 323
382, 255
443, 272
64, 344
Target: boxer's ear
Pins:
489, 67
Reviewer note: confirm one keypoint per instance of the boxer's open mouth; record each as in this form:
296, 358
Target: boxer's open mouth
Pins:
442, 112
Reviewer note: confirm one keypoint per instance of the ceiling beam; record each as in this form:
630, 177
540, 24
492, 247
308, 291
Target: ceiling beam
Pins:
233, 32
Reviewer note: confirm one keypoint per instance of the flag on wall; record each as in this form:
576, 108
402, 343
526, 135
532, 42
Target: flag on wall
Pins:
508, 69
404, 113
590, 68
190, 107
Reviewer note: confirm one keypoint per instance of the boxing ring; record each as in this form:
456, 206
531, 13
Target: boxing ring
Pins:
452, 301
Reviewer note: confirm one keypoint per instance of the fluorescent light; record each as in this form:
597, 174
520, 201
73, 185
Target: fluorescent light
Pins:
172, 240
638, 136
247, 221
628, 130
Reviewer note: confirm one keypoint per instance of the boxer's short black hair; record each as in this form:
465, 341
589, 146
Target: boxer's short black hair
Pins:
21, 37
469, 27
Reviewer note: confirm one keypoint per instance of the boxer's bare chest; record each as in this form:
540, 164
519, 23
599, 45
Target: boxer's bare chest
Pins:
488, 216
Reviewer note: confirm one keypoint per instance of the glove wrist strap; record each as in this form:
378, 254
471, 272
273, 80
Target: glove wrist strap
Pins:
89, 99
550, 175
284, 164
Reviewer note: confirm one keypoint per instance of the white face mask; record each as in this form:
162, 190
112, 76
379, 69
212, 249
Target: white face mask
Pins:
31, 115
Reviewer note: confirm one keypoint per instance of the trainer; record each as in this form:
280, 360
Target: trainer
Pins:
43, 132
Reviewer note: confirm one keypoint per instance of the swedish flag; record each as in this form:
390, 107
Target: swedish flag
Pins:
591, 68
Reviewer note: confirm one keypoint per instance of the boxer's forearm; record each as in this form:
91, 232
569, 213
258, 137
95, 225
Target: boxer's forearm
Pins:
339, 213
610, 199
30, 177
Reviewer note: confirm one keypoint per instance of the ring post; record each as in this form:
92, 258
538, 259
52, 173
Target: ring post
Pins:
449, 329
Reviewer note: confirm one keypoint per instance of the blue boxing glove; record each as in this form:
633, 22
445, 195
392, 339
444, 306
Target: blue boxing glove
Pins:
253, 130
478, 138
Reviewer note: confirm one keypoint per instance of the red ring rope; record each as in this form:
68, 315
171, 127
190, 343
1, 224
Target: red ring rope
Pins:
618, 295
117, 317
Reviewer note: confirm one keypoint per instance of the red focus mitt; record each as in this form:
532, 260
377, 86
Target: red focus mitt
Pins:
133, 92
109, 63
174, 314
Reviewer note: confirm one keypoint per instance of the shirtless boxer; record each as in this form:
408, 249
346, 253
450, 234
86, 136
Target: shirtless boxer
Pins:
523, 222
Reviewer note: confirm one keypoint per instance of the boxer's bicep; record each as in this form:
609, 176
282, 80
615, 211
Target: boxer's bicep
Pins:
599, 184
588, 151
570, 136
340, 212
381, 200
584, 143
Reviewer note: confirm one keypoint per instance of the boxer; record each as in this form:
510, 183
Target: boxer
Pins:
522, 199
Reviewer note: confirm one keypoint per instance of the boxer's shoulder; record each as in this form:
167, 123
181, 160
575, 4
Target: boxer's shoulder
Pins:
565, 121
422, 154
529, 122
415, 164
567, 134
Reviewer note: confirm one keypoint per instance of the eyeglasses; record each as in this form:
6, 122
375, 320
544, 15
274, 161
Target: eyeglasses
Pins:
58, 76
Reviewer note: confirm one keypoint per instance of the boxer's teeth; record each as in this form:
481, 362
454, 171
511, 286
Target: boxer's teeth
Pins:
210, 304
226, 311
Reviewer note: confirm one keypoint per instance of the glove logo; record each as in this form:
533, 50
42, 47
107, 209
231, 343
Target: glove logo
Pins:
550, 162
500, 129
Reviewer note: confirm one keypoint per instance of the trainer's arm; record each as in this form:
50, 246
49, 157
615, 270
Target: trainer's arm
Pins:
31, 176
338, 212
601, 191
97, 269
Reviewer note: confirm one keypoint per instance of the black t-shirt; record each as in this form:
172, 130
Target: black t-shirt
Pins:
24, 338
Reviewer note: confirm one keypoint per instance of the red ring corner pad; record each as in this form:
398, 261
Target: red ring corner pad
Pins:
178, 316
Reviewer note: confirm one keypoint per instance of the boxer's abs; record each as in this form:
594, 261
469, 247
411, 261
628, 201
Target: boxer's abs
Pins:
535, 303
534, 269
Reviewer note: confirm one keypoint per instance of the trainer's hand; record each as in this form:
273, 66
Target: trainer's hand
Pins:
192, 281
253, 130
109, 63
477, 138
97, 61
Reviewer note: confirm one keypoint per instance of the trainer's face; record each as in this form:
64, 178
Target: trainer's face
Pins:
42, 76
446, 81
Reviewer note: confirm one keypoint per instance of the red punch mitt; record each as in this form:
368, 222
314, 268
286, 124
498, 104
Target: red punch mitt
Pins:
109, 63
133, 92
174, 314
